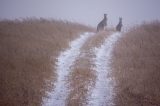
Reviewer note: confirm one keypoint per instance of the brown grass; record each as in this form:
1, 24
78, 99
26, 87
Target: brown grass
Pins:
27, 55
81, 77
97, 40
136, 66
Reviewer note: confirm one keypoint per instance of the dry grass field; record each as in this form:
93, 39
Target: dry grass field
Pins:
28, 50
136, 66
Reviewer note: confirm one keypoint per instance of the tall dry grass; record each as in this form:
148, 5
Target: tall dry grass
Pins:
28, 51
136, 66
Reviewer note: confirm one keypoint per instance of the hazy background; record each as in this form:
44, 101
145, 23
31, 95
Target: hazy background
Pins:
88, 12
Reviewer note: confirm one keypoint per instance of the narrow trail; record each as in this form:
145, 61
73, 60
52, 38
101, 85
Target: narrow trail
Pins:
82, 72
102, 93
65, 61
82, 77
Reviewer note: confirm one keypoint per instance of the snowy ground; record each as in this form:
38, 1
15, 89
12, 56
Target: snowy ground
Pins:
65, 61
102, 93
99, 95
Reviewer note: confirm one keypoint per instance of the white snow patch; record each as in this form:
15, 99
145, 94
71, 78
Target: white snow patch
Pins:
102, 93
66, 59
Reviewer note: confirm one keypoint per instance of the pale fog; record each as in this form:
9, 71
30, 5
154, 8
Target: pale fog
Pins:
88, 12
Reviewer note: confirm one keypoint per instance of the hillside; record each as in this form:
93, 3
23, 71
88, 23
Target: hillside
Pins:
136, 66
51, 62
28, 49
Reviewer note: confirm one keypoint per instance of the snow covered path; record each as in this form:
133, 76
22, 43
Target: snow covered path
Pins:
65, 61
102, 93
96, 64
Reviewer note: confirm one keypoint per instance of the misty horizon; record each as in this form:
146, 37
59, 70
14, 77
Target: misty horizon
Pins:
85, 12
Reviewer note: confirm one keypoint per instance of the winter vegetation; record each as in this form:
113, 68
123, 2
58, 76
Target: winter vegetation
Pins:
28, 51
136, 66
46, 62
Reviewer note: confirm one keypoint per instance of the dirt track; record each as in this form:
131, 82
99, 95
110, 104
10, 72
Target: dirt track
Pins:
82, 72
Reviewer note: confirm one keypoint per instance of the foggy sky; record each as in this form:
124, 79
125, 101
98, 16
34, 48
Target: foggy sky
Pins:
88, 12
